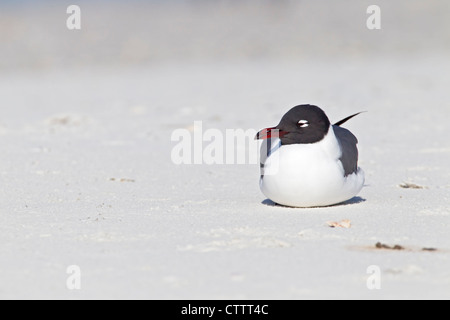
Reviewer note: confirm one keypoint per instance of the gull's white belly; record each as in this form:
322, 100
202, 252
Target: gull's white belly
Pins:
309, 175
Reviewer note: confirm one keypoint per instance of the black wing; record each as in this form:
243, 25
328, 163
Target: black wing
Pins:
348, 142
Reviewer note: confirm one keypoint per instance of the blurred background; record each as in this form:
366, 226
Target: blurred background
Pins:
33, 34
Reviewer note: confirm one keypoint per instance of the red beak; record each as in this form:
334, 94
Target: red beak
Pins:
267, 133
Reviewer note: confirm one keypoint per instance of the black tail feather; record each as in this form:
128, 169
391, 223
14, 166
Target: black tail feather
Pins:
346, 119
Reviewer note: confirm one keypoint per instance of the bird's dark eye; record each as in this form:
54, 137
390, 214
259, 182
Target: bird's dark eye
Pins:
302, 123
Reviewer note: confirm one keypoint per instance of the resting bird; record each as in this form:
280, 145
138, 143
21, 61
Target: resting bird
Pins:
308, 162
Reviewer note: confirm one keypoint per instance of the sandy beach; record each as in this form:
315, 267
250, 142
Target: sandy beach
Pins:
87, 178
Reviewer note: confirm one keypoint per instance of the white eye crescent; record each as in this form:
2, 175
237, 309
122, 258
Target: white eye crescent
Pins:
303, 123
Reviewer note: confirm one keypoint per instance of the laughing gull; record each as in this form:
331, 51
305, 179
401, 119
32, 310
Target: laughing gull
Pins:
308, 162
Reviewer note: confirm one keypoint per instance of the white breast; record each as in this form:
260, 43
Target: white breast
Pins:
309, 175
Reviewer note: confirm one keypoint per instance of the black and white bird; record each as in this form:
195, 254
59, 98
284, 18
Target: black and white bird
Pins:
308, 162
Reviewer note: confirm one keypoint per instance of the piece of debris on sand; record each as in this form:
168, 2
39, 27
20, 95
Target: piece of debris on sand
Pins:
380, 245
343, 224
407, 185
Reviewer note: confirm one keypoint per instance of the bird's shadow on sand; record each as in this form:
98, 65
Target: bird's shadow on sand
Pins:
354, 200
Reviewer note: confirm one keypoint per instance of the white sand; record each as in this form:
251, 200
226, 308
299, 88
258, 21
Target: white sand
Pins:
86, 176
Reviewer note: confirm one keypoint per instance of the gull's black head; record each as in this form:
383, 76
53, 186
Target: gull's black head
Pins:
303, 124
